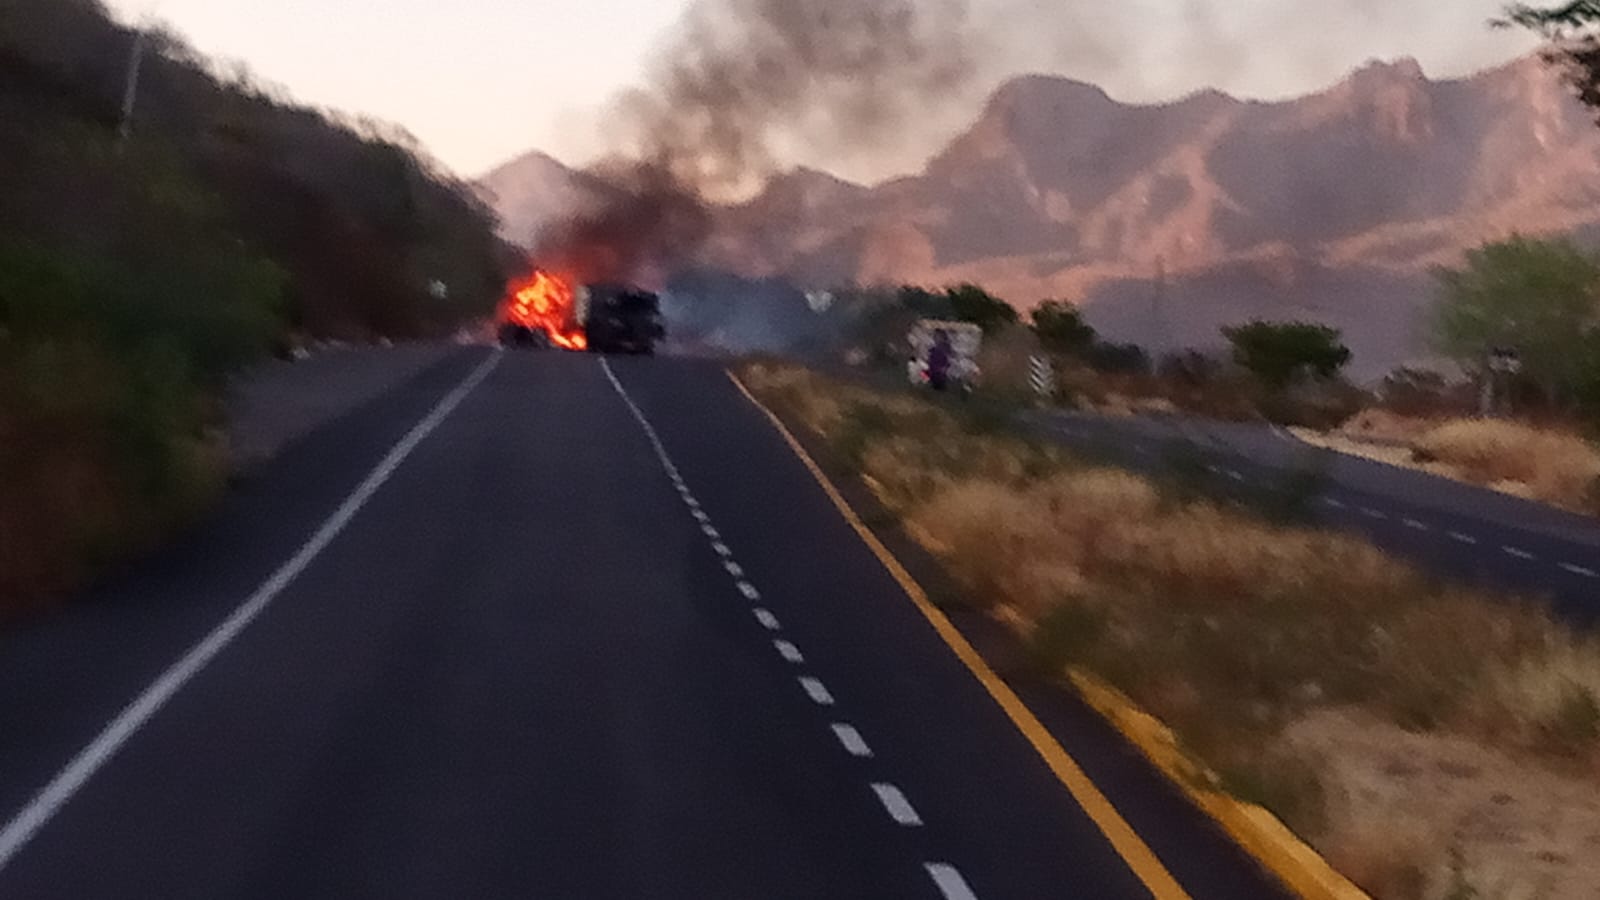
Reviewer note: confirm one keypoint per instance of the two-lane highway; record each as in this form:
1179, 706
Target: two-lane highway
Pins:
533, 625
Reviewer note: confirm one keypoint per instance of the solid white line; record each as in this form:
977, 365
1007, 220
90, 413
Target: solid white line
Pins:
816, 691
789, 652
853, 742
949, 881
721, 548
1580, 570
749, 591
690, 501
1462, 538
710, 532
895, 802
734, 569
1518, 552
700, 515
1414, 525
767, 619
26, 823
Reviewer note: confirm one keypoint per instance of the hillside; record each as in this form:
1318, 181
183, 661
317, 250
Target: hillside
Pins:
141, 271
1167, 220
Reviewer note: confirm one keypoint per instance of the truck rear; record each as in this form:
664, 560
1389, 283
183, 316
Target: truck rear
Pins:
621, 319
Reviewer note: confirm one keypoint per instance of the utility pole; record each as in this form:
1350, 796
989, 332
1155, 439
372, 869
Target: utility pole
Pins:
131, 94
1158, 318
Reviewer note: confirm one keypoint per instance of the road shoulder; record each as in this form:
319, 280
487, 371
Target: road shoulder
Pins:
1253, 830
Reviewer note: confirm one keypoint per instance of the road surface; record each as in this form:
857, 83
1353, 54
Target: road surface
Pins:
517, 629
1457, 530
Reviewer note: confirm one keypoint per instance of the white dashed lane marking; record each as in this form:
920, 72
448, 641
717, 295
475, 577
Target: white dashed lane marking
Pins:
1335, 504
816, 691
1236, 476
899, 808
1371, 513
950, 882
853, 742
1518, 552
945, 876
1580, 570
1414, 525
789, 652
1461, 538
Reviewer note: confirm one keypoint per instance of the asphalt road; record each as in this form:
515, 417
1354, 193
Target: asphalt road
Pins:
1459, 531
515, 629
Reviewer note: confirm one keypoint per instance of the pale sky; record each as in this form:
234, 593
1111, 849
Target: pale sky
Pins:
481, 81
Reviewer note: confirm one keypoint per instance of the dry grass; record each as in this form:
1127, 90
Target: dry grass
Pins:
1558, 467
1383, 426
1226, 626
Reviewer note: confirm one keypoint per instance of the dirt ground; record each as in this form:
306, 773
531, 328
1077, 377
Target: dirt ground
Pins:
1490, 826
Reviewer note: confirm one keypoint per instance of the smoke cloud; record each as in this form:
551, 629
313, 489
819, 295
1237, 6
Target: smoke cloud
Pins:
740, 80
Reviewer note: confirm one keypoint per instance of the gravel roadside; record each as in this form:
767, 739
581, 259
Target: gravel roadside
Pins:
280, 401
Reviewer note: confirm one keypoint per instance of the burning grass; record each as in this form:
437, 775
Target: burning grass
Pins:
1230, 628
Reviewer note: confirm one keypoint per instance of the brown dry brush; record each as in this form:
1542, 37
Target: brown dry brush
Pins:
1226, 626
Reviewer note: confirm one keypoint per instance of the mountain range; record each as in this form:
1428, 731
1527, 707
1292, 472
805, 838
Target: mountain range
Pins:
1166, 221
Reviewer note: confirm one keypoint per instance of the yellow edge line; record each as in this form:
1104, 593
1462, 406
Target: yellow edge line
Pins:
1259, 832
1127, 843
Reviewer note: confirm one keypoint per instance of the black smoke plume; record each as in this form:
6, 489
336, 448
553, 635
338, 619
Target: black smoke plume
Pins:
739, 82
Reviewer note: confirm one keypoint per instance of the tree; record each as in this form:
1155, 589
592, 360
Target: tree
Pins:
1118, 359
971, 303
1061, 328
925, 303
1536, 297
1572, 30
1282, 353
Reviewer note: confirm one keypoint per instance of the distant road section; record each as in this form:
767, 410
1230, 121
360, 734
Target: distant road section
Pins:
1463, 531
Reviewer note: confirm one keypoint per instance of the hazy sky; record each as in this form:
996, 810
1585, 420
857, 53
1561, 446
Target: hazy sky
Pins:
480, 81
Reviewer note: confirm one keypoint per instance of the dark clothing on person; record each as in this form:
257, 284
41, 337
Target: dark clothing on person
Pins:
939, 365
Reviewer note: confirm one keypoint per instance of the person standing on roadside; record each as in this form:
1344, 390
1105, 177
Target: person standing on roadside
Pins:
939, 359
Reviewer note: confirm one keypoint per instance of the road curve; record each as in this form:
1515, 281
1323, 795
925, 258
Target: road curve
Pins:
1465, 532
528, 626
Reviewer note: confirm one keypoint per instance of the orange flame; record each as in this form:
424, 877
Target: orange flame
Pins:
547, 303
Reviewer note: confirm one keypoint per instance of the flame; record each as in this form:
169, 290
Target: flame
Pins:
546, 302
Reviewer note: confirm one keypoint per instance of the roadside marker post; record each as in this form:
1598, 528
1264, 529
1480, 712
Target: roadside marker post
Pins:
1042, 377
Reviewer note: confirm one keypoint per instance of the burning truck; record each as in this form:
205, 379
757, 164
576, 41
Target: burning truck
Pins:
545, 310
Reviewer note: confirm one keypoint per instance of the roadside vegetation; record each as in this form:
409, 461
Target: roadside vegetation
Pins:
1244, 634
139, 272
